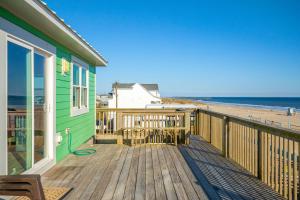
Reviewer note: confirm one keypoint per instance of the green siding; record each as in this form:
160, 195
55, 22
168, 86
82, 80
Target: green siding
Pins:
82, 127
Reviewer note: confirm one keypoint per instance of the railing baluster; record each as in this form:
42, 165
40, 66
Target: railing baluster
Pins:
284, 169
276, 163
295, 175
280, 164
290, 152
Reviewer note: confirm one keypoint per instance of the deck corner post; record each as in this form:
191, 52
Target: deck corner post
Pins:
118, 121
259, 154
225, 136
120, 137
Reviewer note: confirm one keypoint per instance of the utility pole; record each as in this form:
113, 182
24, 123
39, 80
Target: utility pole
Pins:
117, 114
116, 88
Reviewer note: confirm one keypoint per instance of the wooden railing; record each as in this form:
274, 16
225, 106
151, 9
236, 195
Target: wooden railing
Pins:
145, 125
269, 152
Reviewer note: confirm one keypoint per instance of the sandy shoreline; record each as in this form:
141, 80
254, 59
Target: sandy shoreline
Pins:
264, 115
277, 117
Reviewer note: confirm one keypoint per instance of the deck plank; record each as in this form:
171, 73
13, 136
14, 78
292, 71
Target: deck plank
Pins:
156, 171
140, 189
178, 186
169, 187
110, 189
188, 184
100, 169
78, 180
160, 192
104, 181
227, 178
120, 189
131, 181
150, 188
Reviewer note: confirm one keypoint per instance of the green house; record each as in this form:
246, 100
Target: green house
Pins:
47, 87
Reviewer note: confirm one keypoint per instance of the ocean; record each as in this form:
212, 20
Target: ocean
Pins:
280, 103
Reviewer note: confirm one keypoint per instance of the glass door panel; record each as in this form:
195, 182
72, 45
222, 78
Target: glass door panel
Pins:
19, 113
40, 107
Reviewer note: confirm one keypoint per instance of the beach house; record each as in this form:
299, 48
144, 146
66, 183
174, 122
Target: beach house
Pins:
134, 95
47, 87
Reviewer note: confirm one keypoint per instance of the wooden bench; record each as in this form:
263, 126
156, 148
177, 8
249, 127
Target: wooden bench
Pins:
22, 185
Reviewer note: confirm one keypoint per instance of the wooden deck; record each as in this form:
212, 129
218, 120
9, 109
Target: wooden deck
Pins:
220, 177
123, 172
158, 172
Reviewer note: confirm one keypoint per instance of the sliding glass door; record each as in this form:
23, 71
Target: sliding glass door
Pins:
19, 108
27, 107
40, 107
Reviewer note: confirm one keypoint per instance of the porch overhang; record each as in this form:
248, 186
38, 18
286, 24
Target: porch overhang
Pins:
37, 14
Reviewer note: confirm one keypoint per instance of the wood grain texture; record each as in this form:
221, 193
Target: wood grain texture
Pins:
146, 171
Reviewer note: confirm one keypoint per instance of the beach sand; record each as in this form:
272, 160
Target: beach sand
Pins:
268, 116
272, 117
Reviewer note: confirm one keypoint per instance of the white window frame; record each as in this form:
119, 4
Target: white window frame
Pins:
75, 111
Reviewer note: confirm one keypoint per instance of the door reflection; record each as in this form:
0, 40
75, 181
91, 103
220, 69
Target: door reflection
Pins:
19, 100
40, 107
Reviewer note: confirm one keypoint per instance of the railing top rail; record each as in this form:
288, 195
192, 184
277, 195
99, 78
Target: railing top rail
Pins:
138, 110
280, 131
155, 128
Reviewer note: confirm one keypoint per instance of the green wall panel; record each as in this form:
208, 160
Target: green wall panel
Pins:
82, 127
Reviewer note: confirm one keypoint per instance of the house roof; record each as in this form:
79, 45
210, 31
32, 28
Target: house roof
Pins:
39, 15
122, 85
149, 87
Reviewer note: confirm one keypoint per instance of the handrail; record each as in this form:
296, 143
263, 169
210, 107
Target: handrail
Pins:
290, 133
269, 152
152, 125
143, 110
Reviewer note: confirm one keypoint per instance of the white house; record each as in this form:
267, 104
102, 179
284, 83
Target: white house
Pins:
134, 95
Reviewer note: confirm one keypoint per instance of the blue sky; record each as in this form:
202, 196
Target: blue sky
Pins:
193, 47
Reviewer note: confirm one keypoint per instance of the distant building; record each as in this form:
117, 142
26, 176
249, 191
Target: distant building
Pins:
102, 100
134, 95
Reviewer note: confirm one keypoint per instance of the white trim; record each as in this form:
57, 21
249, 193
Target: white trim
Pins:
82, 109
41, 167
41, 17
3, 104
95, 101
15, 34
27, 38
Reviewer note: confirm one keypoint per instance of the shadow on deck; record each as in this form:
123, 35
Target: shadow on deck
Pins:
220, 177
197, 171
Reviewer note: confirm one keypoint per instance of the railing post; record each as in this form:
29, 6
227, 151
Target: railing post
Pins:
187, 125
119, 127
225, 135
119, 121
228, 138
210, 135
259, 154
198, 122
120, 136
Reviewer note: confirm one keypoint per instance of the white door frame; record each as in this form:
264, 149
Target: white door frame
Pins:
11, 32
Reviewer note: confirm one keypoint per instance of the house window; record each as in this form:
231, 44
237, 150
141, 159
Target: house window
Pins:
79, 87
